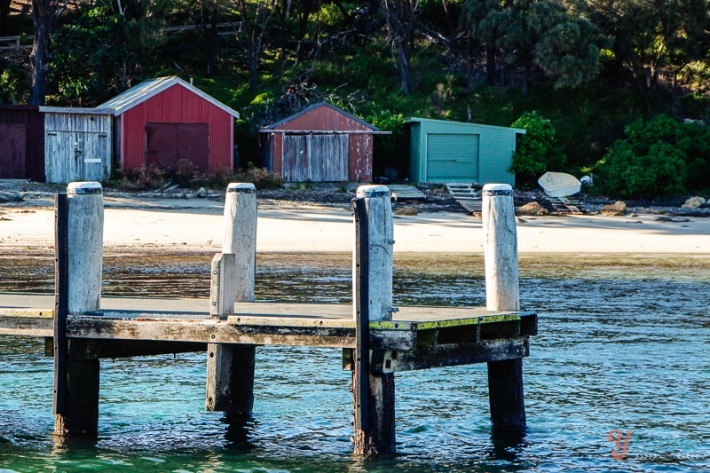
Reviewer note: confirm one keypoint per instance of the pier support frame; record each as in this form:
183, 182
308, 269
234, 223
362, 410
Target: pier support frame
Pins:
79, 238
230, 368
373, 392
505, 378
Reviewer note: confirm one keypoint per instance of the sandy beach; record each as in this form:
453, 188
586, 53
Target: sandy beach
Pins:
136, 225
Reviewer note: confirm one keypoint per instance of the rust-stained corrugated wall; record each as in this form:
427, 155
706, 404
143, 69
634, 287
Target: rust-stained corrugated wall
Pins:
21, 143
176, 105
322, 129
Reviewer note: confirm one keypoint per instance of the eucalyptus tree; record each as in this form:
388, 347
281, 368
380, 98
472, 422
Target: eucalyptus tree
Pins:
105, 49
44, 16
536, 34
486, 19
401, 16
256, 17
648, 37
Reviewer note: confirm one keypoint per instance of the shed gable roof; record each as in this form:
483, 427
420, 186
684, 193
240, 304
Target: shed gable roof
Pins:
149, 88
315, 106
464, 124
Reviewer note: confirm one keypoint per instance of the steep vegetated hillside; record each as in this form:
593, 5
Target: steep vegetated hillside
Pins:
597, 73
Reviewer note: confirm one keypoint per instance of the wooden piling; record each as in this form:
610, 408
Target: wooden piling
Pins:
373, 392
379, 252
240, 236
230, 368
79, 239
85, 233
505, 378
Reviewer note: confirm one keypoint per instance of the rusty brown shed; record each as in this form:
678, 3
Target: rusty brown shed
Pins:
321, 143
21, 142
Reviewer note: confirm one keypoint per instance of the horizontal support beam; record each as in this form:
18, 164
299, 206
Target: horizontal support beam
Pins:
446, 355
31, 325
260, 330
216, 331
130, 348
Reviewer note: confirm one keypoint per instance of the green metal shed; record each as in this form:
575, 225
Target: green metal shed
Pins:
446, 151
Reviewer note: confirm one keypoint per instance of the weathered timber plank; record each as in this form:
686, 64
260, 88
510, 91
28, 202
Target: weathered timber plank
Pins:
41, 326
29, 312
23, 326
45, 302
270, 313
214, 331
453, 355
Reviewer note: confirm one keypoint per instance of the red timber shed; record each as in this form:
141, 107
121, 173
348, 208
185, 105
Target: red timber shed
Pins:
165, 120
321, 143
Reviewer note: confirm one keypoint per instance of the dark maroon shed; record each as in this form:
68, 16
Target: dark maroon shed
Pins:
21, 142
321, 143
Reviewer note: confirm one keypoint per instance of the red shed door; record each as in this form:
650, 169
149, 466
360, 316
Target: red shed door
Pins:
12, 151
168, 143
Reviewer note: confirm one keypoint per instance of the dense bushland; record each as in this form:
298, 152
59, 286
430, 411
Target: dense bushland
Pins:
577, 75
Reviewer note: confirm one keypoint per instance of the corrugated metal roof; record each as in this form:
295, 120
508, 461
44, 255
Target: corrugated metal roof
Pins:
149, 88
431, 120
77, 110
317, 105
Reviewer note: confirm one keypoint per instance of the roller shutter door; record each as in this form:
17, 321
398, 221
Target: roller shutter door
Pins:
452, 157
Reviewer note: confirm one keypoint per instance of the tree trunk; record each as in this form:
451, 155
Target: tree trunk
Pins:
253, 64
42, 17
490, 65
404, 71
526, 80
401, 22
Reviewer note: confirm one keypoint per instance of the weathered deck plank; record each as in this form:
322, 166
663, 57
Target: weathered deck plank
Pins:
257, 323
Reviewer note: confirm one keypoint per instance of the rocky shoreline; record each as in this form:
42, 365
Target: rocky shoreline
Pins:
19, 193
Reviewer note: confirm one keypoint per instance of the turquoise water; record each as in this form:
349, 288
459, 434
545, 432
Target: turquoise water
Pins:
622, 348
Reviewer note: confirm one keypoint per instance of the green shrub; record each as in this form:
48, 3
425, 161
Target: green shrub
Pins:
537, 150
626, 173
696, 146
659, 157
12, 84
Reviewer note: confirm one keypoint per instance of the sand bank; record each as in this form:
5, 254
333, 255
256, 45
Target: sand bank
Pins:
196, 225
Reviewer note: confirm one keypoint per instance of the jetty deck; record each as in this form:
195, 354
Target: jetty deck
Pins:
80, 326
413, 331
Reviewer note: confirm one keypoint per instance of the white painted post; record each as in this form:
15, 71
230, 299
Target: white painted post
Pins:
230, 368
381, 241
500, 248
85, 240
505, 378
240, 236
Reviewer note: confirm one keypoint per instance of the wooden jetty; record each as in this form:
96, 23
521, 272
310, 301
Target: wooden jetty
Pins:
378, 340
